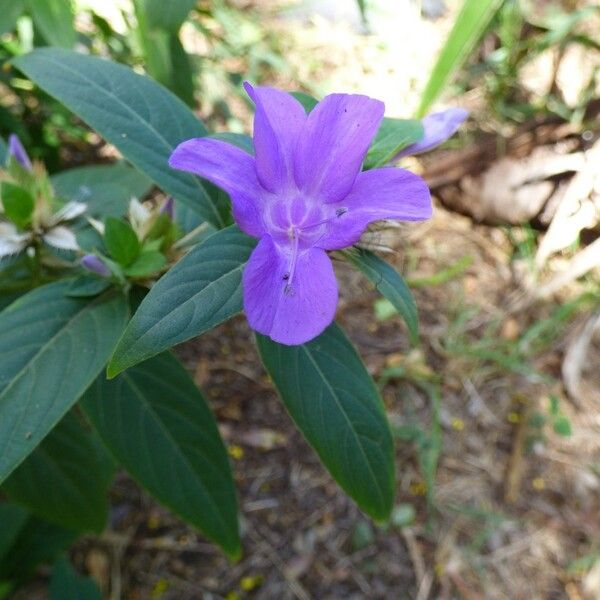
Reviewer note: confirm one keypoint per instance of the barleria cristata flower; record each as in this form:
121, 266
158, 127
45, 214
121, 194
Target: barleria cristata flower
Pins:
303, 194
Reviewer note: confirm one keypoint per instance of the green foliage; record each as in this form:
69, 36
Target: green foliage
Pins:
389, 284
66, 584
200, 291
106, 189
334, 402
164, 57
26, 542
55, 19
155, 410
116, 102
18, 204
87, 286
468, 28
121, 241
10, 11
147, 263
65, 479
392, 137
52, 347
168, 15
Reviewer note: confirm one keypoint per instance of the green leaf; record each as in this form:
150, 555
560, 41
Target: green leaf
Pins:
393, 136
87, 286
18, 204
148, 263
236, 139
56, 20
390, 284
307, 101
157, 424
66, 584
203, 289
168, 15
13, 519
121, 241
135, 114
164, 57
335, 404
36, 542
106, 189
10, 11
3, 146
470, 24
182, 71
51, 348
562, 426
65, 479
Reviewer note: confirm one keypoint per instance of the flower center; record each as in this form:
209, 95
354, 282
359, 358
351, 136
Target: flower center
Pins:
296, 226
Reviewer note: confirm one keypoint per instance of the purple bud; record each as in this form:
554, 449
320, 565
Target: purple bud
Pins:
168, 208
438, 127
95, 264
16, 150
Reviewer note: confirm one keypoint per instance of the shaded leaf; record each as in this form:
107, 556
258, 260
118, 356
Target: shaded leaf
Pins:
65, 479
56, 20
51, 348
168, 15
203, 289
157, 424
36, 542
10, 11
335, 404
66, 584
105, 189
142, 119
390, 284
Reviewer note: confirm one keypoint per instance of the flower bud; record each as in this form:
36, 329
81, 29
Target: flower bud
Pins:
96, 265
16, 151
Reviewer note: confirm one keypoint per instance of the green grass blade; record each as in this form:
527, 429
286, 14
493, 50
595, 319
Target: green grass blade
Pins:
470, 24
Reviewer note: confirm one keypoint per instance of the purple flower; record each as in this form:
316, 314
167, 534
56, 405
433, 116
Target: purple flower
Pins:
438, 127
16, 151
96, 265
303, 194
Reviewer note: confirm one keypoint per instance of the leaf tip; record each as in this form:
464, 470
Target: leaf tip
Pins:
113, 369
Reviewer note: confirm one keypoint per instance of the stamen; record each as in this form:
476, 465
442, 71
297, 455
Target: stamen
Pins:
289, 276
338, 213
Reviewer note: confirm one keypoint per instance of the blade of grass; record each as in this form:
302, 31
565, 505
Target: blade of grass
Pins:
470, 25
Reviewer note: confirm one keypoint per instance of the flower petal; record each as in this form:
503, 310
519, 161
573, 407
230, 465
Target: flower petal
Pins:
278, 123
68, 212
337, 136
378, 194
438, 128
62, 238
231, 169
18, 152
289, 316
11, 241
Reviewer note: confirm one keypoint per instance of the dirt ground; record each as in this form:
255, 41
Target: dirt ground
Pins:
494, 500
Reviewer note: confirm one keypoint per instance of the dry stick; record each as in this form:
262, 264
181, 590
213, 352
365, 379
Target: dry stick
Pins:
423, 578
516, 464
584, 261
295, 586
576, 354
